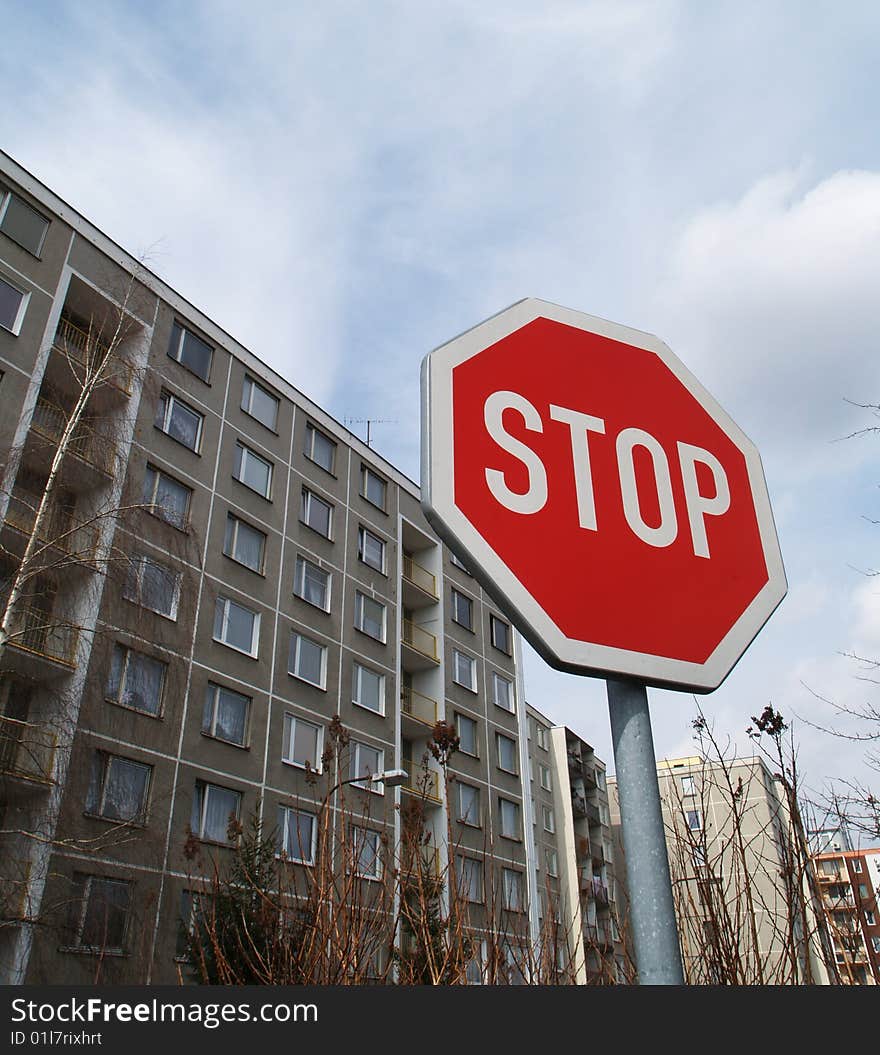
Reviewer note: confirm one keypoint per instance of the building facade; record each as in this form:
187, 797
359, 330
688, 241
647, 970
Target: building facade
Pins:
222, 568
850, 883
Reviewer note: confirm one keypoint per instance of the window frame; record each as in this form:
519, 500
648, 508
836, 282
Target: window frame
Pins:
247, 403
283, 852
237, 521
255, 626
457, 654
457, 597
288, 737
547, 814
308, 495
542, 771
357, 668
300, 637
123, 677
202, 788
360, 602
97, 796
211, 733
366, 473
541, 736
311, 432
21, 310
693, 815
501, 738
502, 800
375, 787
376, 836
499, 678
87, 889
518, 887
299, 578
459, 717
171, 401
476, 868
689, 785
551, 855
176, 353
494, 622
6, 196
134, 579
462, 814
364, 534
154, 508
243, 453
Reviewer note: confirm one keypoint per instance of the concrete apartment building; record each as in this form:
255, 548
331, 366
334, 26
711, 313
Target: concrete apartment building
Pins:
223, 568
850, 884
740, 920
574, 856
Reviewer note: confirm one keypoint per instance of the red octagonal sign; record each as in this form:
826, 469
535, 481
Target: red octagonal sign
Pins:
602, 496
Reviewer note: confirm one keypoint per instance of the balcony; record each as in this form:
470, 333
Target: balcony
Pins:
27, 751
578, 805
419, 585
422, 783
86, 444
88, 350
593, 815
419, 647
58, 529
421, 861
418, 708
597, 853
38, 633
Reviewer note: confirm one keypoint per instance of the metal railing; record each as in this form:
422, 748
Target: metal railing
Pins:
86, 348
57, 529
26, 750
34, 630
421, 782
421, 640
91, 446
416, 705
419, 576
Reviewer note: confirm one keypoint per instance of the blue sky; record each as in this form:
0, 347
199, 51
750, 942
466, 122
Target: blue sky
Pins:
345, 186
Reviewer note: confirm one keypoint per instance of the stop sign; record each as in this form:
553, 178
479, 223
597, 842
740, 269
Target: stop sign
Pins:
601, 495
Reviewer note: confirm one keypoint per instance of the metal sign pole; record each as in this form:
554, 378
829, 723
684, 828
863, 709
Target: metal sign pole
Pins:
651, 908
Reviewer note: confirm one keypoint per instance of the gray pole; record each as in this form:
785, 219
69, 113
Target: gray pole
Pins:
651, 909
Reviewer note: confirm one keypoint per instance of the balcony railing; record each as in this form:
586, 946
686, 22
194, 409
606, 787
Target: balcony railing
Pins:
419, 576
421, 708
593, 815
26, 750
421, 861
85, 348
421, 782
92, 447
578, 805
57, 529
421, 640
33, 630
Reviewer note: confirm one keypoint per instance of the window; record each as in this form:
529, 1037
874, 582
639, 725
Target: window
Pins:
688, 785
600, 779
119, 788
297, 835
857, 864
369, 616
544, 776
214, 810
368, 689
464, 670
455, 560
366, 847
236, 626
167, 498
225, 714
307, 660
24, 225
875, 945
12, 305
371, 549
190, 351
869, 918
366, 762
101, 909
319, 448
512, 889
469, 873
302, 743
694, 820
259, 403
462, 610
700, 858
316, 513
502, 692
312, 583
136, 680
153, 585
252, 470
373, 487
469, 804
467, 734
506, 750
509, 818
179, 421
541, 734
192, 909
244, 543
552, 859
547, 819
500, 633
863, 890
475, 972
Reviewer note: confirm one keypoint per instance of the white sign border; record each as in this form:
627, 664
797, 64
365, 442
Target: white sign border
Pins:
438, 503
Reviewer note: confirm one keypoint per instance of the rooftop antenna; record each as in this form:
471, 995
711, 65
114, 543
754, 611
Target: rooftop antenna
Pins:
369, 422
